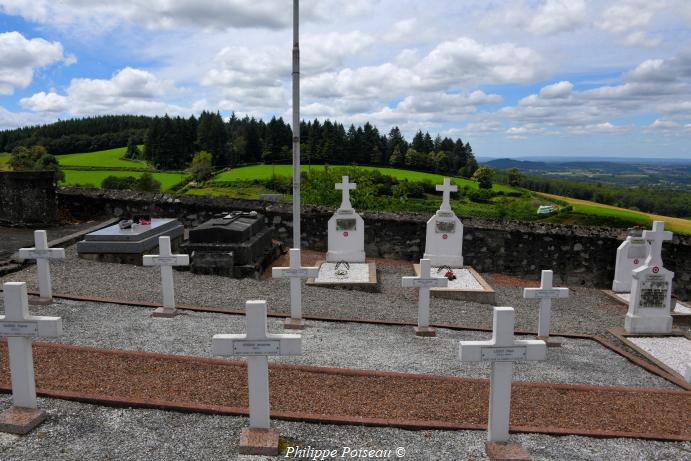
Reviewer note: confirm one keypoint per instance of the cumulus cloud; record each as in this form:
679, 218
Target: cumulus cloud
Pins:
20, 57
556, 90
556, 16
629, 20
128, 91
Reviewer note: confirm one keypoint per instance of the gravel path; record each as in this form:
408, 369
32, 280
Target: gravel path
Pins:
587, 310
77, 431
341, 345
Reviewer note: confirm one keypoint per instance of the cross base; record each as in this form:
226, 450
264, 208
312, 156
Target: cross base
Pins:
294, 324
165, 312
38, 301
19, 420
550, 341
254, 441
648, 324
505, 451
425, 331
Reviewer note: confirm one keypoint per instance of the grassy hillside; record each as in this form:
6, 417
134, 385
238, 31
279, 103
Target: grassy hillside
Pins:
587, 208
4, 159
103, 158
94, 178
263, 172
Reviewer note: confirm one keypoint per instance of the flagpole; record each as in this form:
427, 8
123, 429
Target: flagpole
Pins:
296, 124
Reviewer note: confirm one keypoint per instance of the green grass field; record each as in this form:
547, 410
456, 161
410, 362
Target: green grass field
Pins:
261, 172
95, 177
4, 159
104, 158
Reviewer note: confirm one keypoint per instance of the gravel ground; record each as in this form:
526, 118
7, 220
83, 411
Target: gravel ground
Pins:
675, 352
77, 431
587, 310
340, 345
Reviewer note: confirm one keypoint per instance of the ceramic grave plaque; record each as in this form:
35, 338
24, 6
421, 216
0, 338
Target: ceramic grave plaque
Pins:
346, 230
444, 242
651, 289
631, 255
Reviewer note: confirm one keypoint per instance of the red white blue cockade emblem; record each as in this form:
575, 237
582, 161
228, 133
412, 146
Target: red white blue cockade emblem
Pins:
345, 234
656, 270
445, 236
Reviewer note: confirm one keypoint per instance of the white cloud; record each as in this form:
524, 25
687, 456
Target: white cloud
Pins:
629, 19
557, 90
556, 16
19, 57
664, 125
129, 91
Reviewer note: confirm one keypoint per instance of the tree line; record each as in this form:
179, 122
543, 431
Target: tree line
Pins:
171, 142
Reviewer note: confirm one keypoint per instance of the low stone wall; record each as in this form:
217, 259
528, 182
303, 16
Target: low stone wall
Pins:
28, 198
577, 255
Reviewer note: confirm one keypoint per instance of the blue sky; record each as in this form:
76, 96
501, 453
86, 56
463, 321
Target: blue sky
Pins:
520, 77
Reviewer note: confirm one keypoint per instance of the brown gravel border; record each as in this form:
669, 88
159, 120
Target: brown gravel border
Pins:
347, 396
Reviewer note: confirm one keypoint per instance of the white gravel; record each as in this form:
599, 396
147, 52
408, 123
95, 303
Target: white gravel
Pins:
465, 280
76, 431
675, 352
356, 273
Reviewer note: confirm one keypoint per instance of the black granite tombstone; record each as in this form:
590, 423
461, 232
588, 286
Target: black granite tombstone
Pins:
236, 244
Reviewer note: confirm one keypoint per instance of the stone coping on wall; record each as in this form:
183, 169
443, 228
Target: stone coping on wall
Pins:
208, 203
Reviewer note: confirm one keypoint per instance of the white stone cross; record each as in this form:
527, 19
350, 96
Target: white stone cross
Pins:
446, 188
19, 327
346, 187
295, 273
546, 293
656, 237
257, 345
424, 282
166, 260
502, 350
42, 254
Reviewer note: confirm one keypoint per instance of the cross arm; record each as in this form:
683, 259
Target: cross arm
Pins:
174, 260
33, 253
542, 293
273, 344
416, 282
287, 272
481, 351
47, 327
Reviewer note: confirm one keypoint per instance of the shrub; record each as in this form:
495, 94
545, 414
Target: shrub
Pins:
480, 195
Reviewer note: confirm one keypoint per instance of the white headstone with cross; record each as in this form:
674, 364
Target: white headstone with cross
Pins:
444, 241
346, 238
631, 255
502, 350
296, 273
546, 293
20, 327
42, 254
166, 260
257, 345
424, 282
650, 305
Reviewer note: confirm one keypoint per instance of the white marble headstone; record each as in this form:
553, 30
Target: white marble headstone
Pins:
346, 230
651, 290
444, 242
631, 255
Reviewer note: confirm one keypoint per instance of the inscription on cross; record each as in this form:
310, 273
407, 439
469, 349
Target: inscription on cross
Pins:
424, 282
296, 273
20, 327
345, 186
446, 190
257, 345
546, 293
502, 350
42, 254
166, 260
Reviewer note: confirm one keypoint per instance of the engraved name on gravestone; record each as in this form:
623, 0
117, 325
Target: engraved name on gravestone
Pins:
444, 236
653, 292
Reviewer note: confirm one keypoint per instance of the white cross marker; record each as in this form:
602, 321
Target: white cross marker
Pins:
546, 293
19, 327
502, 350
257, 345
346, 187
424, 282
166, 260
656, 237
446, 188
42, 254
296, 273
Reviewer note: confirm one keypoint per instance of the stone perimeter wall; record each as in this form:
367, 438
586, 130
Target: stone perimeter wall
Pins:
577, 255
27, 198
